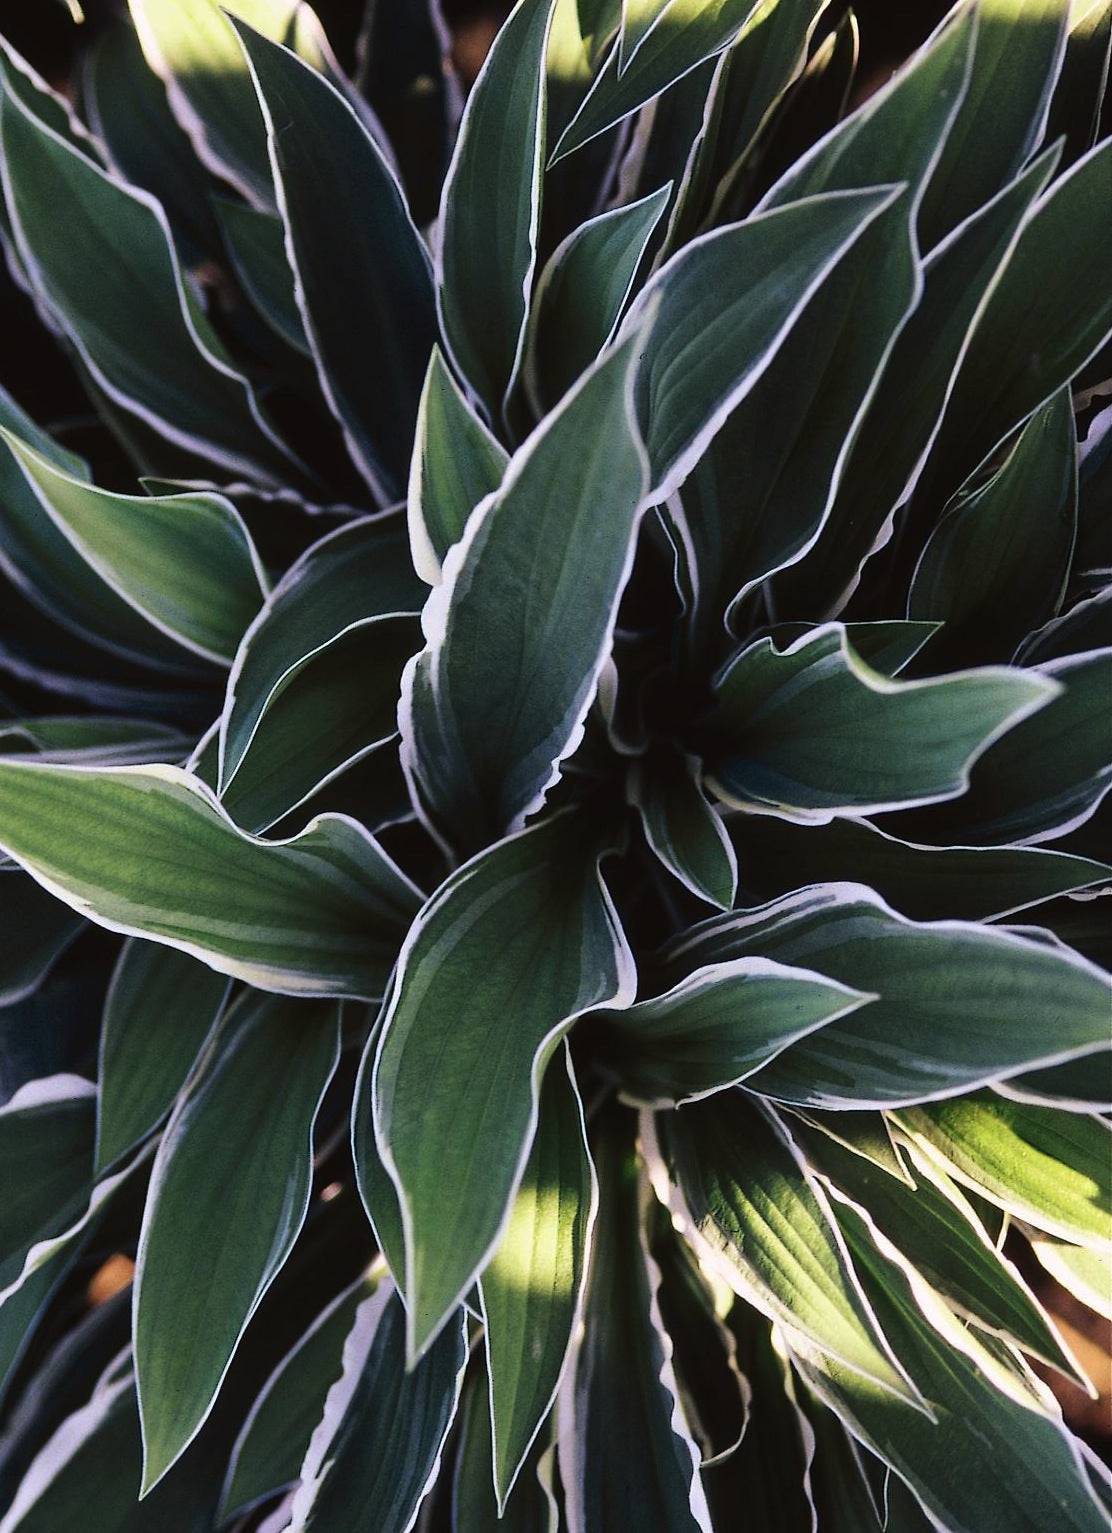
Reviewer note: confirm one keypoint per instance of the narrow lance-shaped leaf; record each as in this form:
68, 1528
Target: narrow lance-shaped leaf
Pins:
581, 294
155, 992
136, 329
531, 1507
1048, 775
1021, 41
376, 1452
232, 1180
363, 277
683, 829
906, 409
184, 562
957, 1004
770, 1473
321, 914
43, 564
256, 245
37, 931
676, 40
126, 105
532, 1288
192, 47
927, 883
491, 208
457, 462
1047, 1167
483, 743
981, 1455
46, 1141
360, 571
784, 465
1033, 335
934, 1227
861, 742
275, 1437
340, 704
716, 1027
14, 419
627, 1458
730, 1174
721, 308
996, 564
87, 1473
525, 932
768, 55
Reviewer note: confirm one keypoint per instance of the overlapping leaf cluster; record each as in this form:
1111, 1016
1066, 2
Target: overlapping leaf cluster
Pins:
575, 652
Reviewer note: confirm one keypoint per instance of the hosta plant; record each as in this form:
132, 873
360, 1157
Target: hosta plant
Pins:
555, 722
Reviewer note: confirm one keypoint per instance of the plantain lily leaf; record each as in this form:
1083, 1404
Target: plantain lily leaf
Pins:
673, 40
722, 307
757, 1216
376, 1451
37, 931
320, 914
14, 419
716, 1027
256, 245
192, 47
81, 740
927, 883
46, 1140
1083, 80
905, 412
340, 703
490, 222
532, 1288
87, 1473
363, 278
136, 328
627, 1458
937, 1231
582, 292
42, 562
1079, 1085
531, 1507
528, 925
1049, 1168
996, 564
1021, 41
143, 142
863, 743
358, 572
1022, 350
770, 1471
983, 1454
1049, 775
186, 563
457, 462
956, 1004
1087, 1274
155, 992
482, 745
768, 55
237, 1156
269, 1451
683, 829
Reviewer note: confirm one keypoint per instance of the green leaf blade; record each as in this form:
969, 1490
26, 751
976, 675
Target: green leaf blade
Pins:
320, 914
527, 928
244, 1131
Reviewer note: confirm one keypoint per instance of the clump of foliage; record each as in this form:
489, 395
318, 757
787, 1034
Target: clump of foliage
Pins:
573, 651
